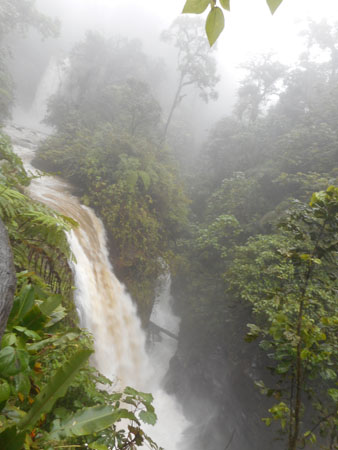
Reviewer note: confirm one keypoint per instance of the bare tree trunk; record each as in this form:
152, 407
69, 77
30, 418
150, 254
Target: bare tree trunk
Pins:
295, 415
173, 106
7, 278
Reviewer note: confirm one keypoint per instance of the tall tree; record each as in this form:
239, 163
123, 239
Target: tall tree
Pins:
260, 86
324, 36
296, 315
195, 64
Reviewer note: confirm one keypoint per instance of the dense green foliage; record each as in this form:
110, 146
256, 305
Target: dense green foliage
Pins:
256, 266
38, 237
49, 395
280, 144
108, 145
6, 88
295, 306
256, 256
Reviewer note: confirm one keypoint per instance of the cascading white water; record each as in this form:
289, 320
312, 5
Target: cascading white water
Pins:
164, 347
106, 309
161, 351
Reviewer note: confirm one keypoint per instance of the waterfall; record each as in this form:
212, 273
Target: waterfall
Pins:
161, 350
48, 85
106, 309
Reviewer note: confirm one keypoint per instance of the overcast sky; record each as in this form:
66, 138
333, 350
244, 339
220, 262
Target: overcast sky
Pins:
249, 29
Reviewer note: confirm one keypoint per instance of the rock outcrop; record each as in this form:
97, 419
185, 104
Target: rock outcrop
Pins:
7, 278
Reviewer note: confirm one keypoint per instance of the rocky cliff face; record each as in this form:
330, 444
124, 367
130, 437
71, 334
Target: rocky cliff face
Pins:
7, 278
215, 384
222, 402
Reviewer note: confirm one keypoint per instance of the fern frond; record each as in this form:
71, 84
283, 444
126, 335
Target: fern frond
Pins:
37, 233
11, 202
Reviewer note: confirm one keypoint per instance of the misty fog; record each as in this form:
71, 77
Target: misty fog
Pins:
190, 225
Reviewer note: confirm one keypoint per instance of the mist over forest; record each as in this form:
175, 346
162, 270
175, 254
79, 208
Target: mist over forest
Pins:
168, 224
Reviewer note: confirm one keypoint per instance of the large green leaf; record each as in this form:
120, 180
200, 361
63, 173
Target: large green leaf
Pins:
225, 4
29, 333
13, 413
90, 421
55, 340
8, 339
11, 440
195, 6
148, 417
34, 319
22, 304
22, 383
49, 305
13, 361
5, 390
55, 388
58, 314
97, 446
214, 24
146, 398
273, 4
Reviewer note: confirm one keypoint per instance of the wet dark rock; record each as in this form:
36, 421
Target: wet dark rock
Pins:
7, 278
217, 391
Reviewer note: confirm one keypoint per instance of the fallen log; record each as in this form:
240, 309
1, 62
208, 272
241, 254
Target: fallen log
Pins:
157, 328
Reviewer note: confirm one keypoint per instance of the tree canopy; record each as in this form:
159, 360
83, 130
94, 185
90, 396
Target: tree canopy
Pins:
257, 253
108, 142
